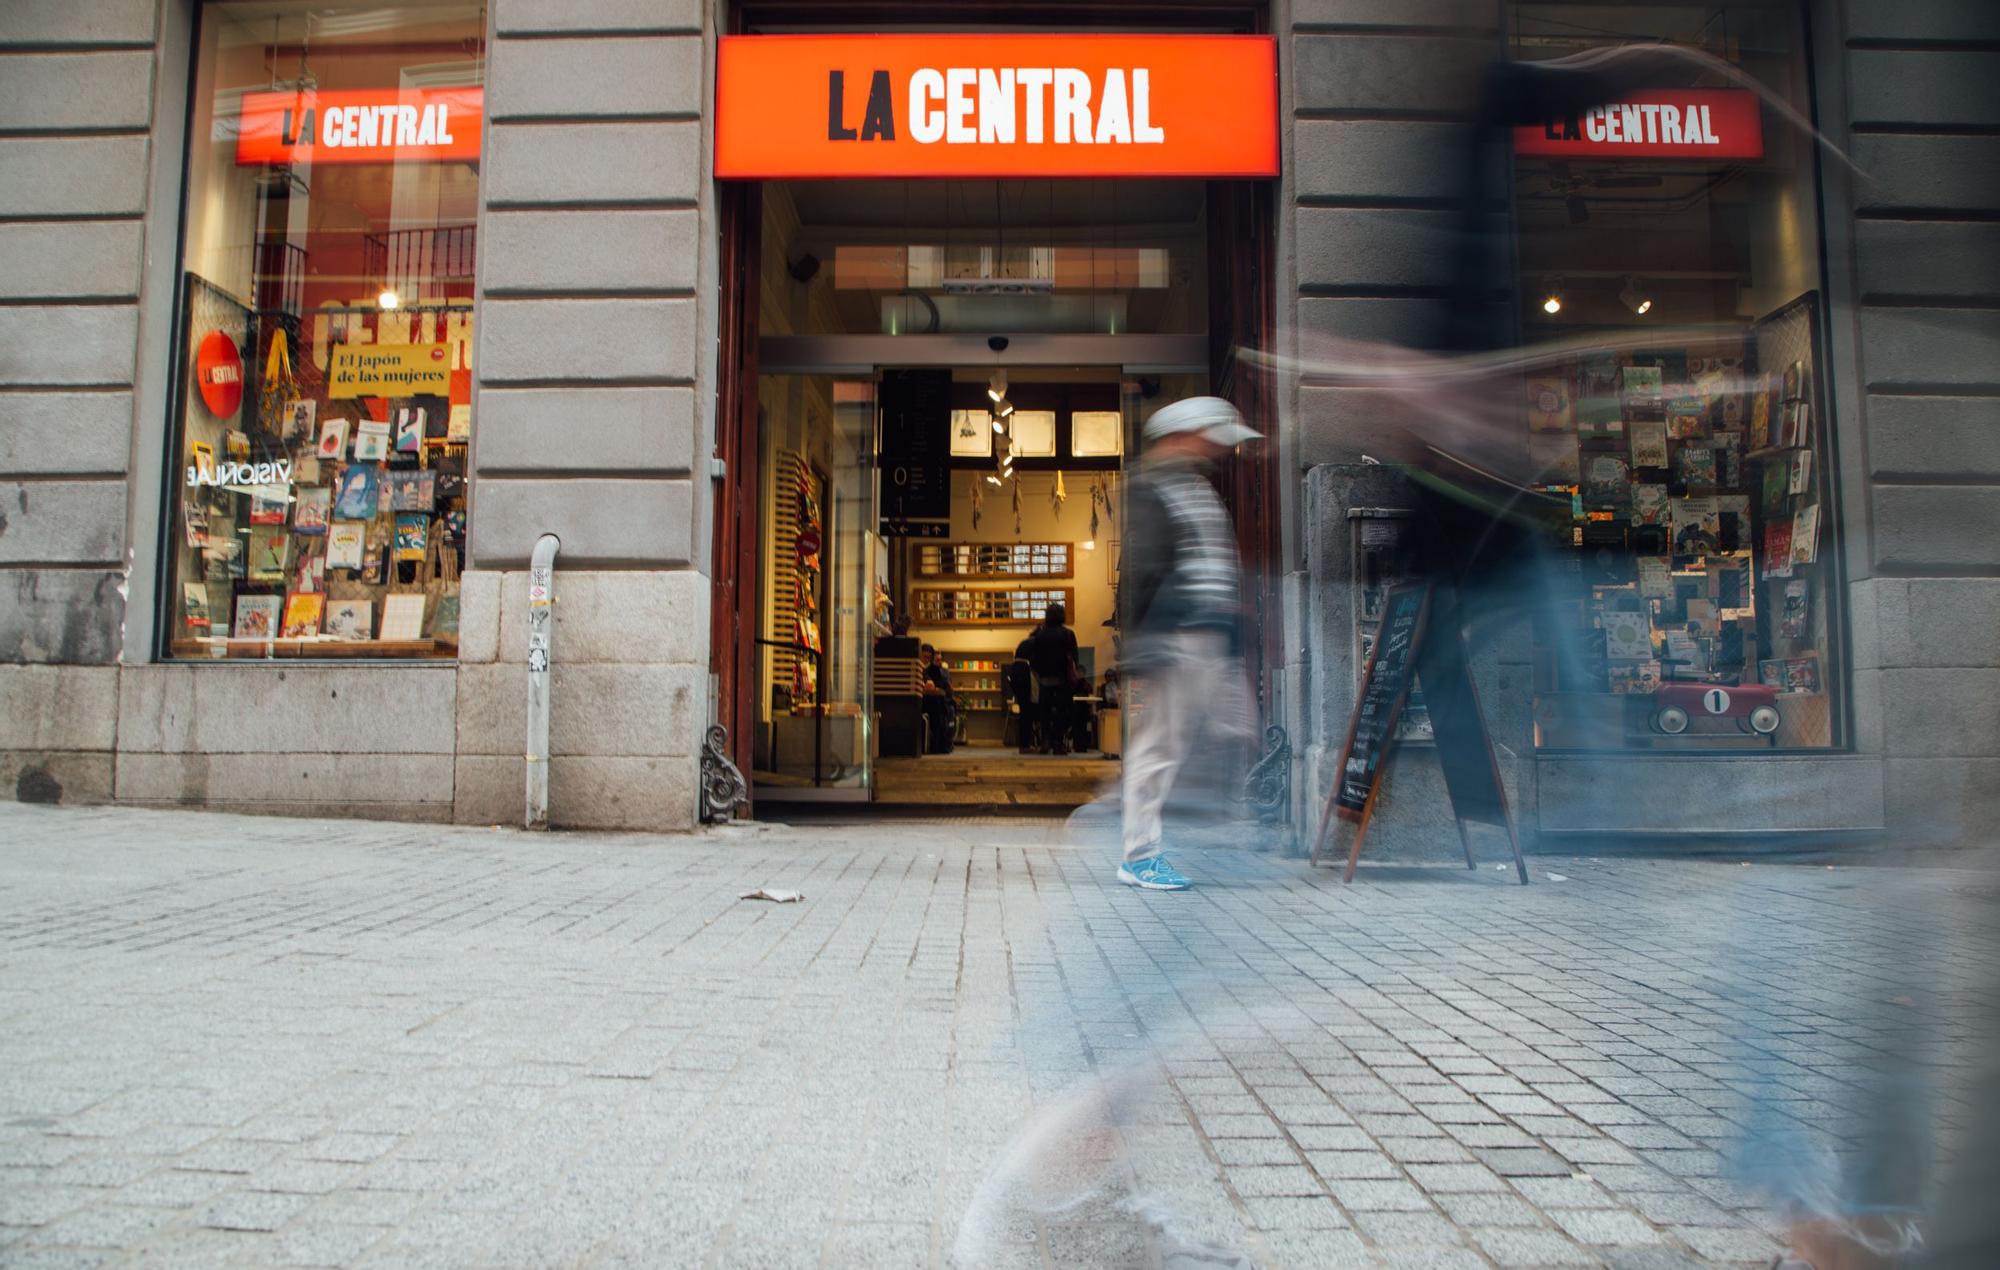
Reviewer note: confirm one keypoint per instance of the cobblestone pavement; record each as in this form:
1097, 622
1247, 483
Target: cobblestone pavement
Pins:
236, 1041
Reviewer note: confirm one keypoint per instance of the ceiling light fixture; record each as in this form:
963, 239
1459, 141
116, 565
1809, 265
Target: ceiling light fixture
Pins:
389, 299
1633, 298
996, 387
1552, 302
1003, 408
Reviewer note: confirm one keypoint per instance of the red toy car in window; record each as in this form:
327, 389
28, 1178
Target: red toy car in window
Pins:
1754, 706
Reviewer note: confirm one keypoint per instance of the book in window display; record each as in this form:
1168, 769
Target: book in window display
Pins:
332, 440
1641, 391
411, 491
1778, 548
302, 615
1694, 465
1628, 636
1795, 424
1697, 525
309, 567
269, 504
371, 441
1805, 535
358, 493
194, 607
412, 536
403, 617
268, 551
1760, 419
1795, 615
1687, 416
1606, 482
1656, 577
1777, 484
1550, 407
1599, 410
312, 511
1799, 476
410, 429
194, 520
345, 541
303, 416
350, 619
1649, 443
1649, 504
256, 617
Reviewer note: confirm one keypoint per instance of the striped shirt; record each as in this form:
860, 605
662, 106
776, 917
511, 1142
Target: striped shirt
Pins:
1205, 562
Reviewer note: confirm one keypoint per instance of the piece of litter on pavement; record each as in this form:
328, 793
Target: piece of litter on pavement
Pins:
776, 897
1501, 867
1556, 877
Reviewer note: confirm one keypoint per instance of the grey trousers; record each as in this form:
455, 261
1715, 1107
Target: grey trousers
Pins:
1197, 694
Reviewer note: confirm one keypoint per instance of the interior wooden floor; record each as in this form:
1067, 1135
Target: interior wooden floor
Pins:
991, 776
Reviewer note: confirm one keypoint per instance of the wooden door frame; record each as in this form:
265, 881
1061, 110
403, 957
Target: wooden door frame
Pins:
733, 602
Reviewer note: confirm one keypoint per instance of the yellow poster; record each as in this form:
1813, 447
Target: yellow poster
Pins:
389, 370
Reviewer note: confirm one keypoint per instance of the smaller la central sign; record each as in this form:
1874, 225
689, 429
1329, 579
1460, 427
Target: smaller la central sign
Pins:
388, 125
1661, 123
996, 106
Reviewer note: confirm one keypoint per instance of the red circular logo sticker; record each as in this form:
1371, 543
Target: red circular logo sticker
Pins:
808, 543
218, 372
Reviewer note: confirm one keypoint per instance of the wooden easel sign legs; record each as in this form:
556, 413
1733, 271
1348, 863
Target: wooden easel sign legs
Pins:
1419, 640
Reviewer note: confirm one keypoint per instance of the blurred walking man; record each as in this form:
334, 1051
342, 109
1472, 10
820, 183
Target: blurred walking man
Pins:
1180, 594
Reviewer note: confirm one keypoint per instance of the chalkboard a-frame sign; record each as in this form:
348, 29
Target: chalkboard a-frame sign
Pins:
1405, 645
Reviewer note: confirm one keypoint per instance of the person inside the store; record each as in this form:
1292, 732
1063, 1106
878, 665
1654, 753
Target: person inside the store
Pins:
898, 642
1052, 655
939, 708
1017, 684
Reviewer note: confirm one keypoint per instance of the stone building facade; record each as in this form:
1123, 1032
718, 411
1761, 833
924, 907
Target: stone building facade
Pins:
600, 293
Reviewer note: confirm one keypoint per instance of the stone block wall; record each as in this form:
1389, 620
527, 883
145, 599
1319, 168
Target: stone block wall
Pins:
76, 113
1920, 112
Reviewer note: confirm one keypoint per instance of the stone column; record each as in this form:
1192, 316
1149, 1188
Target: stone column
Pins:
594, 381
76, 106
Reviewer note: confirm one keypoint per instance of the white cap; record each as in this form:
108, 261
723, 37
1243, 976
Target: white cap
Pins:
1216, 420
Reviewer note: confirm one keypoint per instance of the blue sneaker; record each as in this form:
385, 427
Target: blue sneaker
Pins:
1153, 873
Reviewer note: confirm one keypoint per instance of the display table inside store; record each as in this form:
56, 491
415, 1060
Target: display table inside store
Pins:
196, 649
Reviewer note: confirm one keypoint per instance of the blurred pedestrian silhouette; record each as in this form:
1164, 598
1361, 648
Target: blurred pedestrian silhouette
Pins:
1182, 648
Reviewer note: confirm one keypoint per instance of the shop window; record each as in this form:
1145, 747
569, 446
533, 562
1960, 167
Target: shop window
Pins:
1668, 240
323, 407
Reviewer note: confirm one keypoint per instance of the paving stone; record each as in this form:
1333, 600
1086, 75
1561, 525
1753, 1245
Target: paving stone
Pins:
1294, 1213
1603, 1226
1488, 1209
1510, 1247
1522, 1162
250, 1210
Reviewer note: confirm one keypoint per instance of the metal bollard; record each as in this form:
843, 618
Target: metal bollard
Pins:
541, 625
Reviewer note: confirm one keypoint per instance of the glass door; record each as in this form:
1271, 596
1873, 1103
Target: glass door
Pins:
819, 595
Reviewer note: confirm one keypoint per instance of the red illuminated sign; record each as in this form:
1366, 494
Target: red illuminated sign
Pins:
1661, 123
996, 106
377, 125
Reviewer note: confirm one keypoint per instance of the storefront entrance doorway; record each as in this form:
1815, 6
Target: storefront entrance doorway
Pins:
916, 526
932, 391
